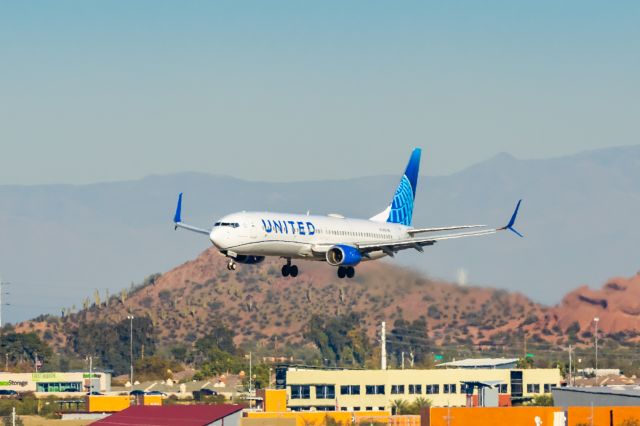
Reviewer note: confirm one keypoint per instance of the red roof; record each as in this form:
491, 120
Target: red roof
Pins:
168, 415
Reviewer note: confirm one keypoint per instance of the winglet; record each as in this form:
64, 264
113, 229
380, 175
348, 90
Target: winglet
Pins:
177, 217
512, 221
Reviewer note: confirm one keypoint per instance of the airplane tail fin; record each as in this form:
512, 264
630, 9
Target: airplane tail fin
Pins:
401, 208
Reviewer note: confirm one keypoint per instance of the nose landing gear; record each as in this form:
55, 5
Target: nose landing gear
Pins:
231, 265
346, 271
289, 269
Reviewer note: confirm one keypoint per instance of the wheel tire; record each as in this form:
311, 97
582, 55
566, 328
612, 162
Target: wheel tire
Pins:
285, 271
350, 272
341, 272
293, 271
233, 266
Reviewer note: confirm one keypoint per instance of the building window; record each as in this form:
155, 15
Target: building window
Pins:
350, 390
450, 388
356, 408
432, 389
502, 388
300, 392
369, 408
374, 389
397, 389
325, 391
533, 388
59, 387
547, 387
415, 389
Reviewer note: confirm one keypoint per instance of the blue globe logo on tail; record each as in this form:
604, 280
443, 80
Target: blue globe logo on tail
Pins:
401, 209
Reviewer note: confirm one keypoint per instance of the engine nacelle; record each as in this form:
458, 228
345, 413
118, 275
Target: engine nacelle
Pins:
248, 259
343, 255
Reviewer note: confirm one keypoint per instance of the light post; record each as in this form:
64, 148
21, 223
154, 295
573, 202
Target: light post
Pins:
130, 317
596, 320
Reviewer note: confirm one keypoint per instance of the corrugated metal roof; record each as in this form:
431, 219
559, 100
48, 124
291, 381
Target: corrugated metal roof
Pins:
479, 362
169, 415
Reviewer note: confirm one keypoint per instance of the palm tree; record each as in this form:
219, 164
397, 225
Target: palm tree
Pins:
399, 406
419, 403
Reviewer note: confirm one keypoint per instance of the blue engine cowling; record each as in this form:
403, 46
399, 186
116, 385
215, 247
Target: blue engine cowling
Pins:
343, 255
248, 259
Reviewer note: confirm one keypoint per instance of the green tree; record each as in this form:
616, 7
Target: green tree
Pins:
23, 348
340, 339
542, 401
219, 337
525, 363
154, 368
410, 338
109, 343
418, 404
399, 406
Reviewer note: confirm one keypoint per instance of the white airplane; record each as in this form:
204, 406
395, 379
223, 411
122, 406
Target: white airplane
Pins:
247, 237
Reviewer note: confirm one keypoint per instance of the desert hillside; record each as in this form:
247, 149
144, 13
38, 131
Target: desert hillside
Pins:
259, 305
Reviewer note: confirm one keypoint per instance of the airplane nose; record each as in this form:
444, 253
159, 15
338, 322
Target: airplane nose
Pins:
216, 238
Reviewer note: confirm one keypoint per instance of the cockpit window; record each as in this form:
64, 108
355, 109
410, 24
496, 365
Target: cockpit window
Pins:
230, 224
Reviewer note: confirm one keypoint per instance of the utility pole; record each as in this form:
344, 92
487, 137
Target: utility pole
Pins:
130, 317
403, 360
2, 283
383, 348
597, 320
570, 370
250, 379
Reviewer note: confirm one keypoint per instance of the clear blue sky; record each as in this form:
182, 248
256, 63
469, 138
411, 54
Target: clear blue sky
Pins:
289, 90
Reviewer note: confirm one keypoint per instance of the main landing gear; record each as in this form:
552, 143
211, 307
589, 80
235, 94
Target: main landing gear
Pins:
346, 271
289, 269
231, 265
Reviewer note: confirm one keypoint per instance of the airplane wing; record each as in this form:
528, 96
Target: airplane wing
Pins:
392, 247
443, 228
177, 220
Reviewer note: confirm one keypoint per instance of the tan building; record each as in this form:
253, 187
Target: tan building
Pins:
309, 388
55, 382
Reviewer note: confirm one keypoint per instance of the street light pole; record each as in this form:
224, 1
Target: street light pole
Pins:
130, 317
597, 320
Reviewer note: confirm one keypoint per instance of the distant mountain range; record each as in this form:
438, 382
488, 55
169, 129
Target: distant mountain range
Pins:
58, 243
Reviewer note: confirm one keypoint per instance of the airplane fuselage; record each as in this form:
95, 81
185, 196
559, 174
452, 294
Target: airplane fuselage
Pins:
298, 236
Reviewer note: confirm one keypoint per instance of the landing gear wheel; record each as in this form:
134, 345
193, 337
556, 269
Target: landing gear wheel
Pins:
350, 271
341, 272
293, 271
231, 265
286, 270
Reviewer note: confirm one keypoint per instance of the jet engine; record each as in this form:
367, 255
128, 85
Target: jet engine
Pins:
343, 255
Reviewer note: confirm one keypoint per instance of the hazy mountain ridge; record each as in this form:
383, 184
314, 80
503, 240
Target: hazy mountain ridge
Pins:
576, 218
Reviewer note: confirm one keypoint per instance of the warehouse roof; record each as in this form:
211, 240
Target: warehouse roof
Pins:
481, 363
169, 415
